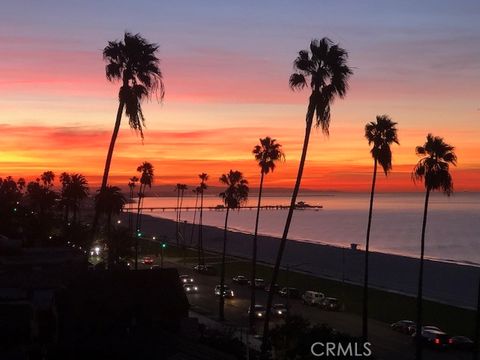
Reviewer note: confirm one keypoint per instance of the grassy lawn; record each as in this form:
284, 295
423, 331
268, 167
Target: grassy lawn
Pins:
384, 306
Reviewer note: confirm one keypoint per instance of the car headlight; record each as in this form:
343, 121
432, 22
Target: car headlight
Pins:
259, 314
231, 293
195, 288
280, 312
188, 289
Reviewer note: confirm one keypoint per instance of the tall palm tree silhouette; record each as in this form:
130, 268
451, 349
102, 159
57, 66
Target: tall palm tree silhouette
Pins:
134, 62
132, 183
202, 187
267, 153
381, 134
233, 197
109, 202
196, 191
146, 179
183, 187
434, 170
325, 65
180, 189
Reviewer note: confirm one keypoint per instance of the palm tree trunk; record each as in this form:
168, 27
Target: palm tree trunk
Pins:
130, 215
180, 221
108, 161
221, 303
251, 317
137, 226
367, 252
109, 236
201, 257
418, 352
193, 222
177, 225
283, 241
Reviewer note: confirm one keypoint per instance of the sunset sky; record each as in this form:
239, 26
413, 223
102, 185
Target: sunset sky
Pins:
226, 66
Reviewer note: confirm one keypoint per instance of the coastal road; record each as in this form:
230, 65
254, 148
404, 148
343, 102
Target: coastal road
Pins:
386, 343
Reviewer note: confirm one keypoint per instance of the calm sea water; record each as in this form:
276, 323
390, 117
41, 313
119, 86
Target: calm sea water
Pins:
453, 228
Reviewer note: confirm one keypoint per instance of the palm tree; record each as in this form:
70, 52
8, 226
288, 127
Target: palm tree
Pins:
132, 183
381, 134
266, 154
146, 179
202, 187
325, 65
134, 62
65, 201
182, 189
77, 190
196, 191
433, 170
233, 197
109, 202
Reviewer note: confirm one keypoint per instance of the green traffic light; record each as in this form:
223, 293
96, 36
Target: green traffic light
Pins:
164, 245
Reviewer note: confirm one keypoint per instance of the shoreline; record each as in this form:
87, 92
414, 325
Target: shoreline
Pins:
445, 282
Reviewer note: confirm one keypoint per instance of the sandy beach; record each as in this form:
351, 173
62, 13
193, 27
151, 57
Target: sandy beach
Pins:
450, 283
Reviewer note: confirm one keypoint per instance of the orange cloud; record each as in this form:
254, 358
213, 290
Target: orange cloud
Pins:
340, 163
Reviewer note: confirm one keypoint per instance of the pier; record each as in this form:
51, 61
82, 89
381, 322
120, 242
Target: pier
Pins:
221, 208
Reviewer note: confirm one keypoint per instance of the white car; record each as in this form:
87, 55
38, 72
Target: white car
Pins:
313, 298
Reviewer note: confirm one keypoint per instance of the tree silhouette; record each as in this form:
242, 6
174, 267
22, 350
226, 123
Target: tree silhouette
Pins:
381, 134
146, 179
132, 183
267, 153
434, 170
325, 65
201, 188
233, 197
110, 202
135, 64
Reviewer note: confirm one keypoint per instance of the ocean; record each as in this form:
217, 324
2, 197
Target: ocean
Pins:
453, 227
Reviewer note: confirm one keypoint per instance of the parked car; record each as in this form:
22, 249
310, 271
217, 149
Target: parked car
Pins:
290, 292
461, 343
240, 280
412, 329
434, 338
227, 293
402, 326
147, 260
259, 311
155, 267
330, 303
205, 269
279, 310
259, 283
186, 279
190, 288
313, 298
